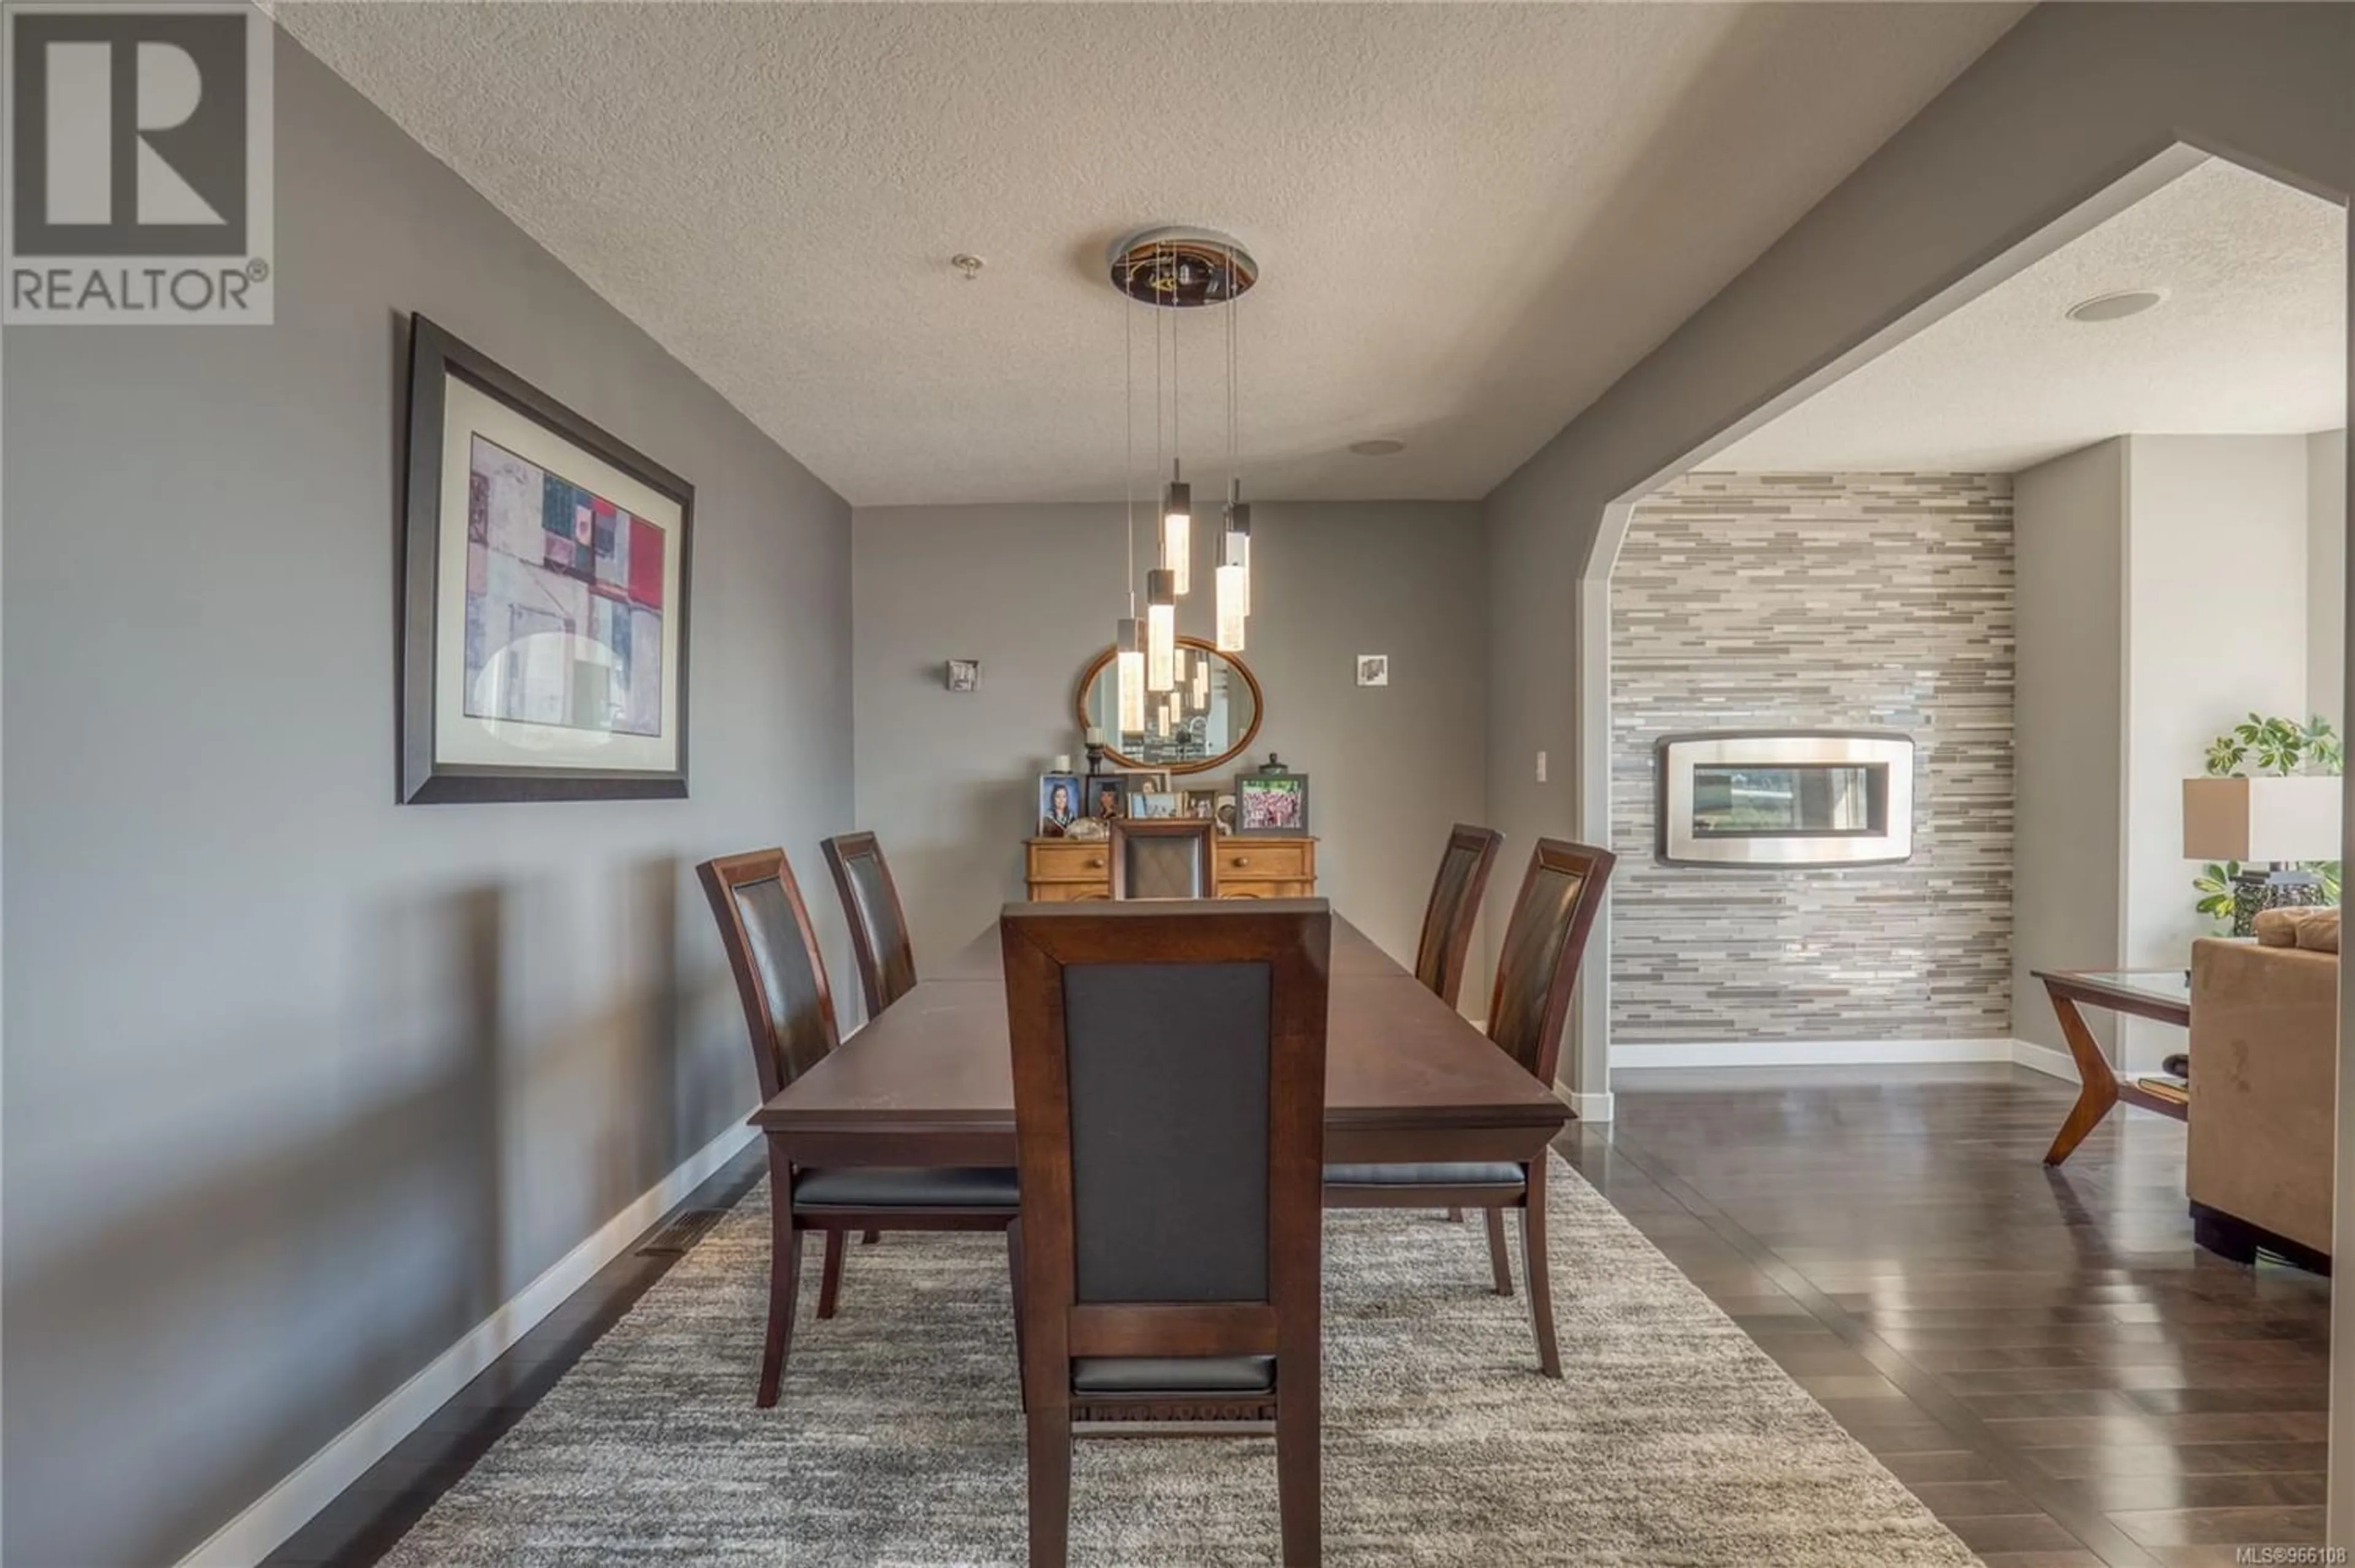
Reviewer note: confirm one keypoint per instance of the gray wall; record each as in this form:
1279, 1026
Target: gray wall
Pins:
2067, 103
1840, 601
302, 1084
949, 779
2069, 873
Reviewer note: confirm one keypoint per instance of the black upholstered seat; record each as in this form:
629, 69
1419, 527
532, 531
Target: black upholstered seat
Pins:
1473, 1175
906, 1186
1173, 1375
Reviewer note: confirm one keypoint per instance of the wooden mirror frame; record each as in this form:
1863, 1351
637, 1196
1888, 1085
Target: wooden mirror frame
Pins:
1115, 755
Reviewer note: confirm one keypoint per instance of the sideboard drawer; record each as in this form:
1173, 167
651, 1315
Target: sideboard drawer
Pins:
1265, 860
1082, 860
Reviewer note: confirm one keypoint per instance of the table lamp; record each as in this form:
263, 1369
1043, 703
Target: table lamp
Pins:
2268, 825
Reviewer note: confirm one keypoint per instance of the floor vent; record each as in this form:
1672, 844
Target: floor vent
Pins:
682, 1231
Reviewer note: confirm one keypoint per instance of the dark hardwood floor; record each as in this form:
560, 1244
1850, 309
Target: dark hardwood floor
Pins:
2044, 1357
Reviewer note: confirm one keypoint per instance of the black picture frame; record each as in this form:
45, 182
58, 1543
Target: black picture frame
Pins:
1261, 779
436, 357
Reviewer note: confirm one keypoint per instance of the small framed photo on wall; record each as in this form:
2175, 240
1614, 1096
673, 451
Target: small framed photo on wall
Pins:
964, 675
1373, 669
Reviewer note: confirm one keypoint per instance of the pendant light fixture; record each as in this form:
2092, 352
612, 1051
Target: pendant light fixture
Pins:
1160, 631
1178, 517
1177, 270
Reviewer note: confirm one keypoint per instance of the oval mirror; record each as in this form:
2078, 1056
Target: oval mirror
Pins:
1220, 712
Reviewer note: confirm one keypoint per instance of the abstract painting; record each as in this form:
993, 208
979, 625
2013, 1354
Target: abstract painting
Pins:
544, 595
564, 601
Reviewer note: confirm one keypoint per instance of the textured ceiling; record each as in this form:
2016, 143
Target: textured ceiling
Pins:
1471, 219
2250, 340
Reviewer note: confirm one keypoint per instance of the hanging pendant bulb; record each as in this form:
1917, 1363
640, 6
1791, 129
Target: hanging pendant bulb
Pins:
1234, 573
1178, 533
1128, 664
1160, 631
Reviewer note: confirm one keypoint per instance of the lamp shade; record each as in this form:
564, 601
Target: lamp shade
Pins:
2261, 820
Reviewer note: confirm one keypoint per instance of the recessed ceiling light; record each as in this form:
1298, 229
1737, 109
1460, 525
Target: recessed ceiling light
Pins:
2115, 307
1380, 446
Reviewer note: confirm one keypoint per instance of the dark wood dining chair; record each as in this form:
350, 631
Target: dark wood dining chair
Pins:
1169, 1113
1537, 970
1177, 859
1454, 906
878, 927
789, 1011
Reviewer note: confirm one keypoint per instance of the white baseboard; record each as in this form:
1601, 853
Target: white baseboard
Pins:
292, 1502
2044, 1059
1837, 1054
1805, 1052
1589, 1108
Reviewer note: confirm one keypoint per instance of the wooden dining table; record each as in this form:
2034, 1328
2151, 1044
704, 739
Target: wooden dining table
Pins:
930, 1081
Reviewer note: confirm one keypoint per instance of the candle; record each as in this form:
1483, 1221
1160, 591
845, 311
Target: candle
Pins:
1095, 736
1063, 762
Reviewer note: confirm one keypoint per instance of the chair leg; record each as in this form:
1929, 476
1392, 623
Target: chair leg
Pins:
1050, 1485
1533, 1262
1014, 1279
1299, 1479
1500, 1262
784, 1286
829, 1288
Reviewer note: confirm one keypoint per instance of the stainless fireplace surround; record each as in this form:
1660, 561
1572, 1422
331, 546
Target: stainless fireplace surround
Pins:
1769, 799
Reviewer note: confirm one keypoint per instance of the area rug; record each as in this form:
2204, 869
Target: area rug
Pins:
897, 1443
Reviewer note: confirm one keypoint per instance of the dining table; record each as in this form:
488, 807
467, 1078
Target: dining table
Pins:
930, 1080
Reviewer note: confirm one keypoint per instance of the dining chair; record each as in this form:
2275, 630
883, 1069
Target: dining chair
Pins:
878, 927
1454, 905
1169, 1115
1174, 858
789, 1011
1536, 969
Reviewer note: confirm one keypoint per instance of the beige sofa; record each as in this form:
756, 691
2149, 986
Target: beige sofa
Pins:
2264, 1030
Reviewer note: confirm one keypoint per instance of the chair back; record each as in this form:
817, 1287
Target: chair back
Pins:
1177, 859
1537, 968
1169, 1113
1455, 905
780, 977
878, 927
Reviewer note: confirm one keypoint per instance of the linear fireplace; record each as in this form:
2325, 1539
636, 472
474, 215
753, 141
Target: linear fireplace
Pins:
1767, 799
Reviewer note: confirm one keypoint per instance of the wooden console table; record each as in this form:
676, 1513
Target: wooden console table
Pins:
2161, 994
1064, 870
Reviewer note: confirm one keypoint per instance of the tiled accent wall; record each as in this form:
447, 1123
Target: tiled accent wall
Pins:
1797, 601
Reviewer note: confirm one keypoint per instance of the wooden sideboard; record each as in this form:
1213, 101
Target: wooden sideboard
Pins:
1064, 870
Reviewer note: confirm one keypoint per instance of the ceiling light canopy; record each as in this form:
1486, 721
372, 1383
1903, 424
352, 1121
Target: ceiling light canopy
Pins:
1181, 268
2115, 306
1379, 446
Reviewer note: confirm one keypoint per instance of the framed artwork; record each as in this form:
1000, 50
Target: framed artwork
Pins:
1107, 797
1373, 669
1202, 802
544, 595
1059, 804
1156, 805
964, 675
1270, 802
1147, 783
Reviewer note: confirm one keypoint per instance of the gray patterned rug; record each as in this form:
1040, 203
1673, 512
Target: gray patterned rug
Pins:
1674, 1440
